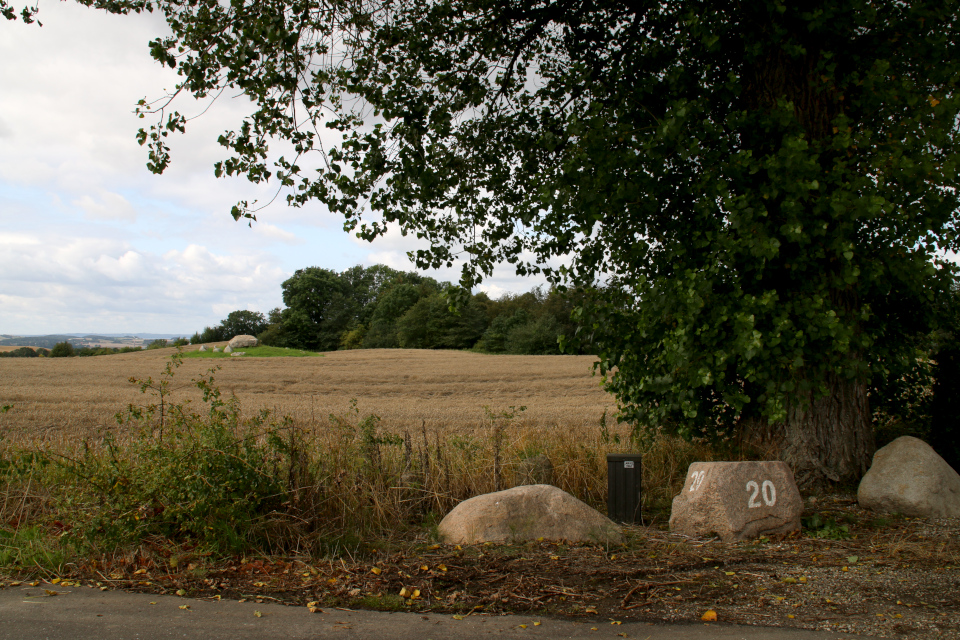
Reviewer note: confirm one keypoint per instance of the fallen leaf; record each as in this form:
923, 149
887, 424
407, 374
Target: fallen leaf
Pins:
181, 592
593, 628
35, 583
403, 592
853, 559
803, 579
845, 569
709, 616
55, 581
103, 588
259, 584
257, 614
791, 616
590, 610
139, 572
442, 567
522, 626
790, 580
416, 594
554, 557
622, 634
314, 609
50, 592
537, 623
185, 607
730, 573
457, 617
615, 622
434, 547
375, 571
17, 584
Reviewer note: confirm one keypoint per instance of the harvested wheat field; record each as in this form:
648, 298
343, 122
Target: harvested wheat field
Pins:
67, 399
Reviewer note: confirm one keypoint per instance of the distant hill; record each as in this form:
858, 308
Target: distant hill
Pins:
83, 339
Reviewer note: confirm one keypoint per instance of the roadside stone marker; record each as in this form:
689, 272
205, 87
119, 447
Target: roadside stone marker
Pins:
737, 500
907, 476
525, 513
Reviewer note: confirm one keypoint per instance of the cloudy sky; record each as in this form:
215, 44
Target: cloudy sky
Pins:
91, 241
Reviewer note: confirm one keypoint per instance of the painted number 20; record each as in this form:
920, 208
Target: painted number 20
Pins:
768, 491
697, 479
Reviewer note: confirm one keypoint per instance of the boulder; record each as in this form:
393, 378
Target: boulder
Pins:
216, 349
907, 476
535, 470
526, 513
242, 342
203, 347
737, 501
228, 349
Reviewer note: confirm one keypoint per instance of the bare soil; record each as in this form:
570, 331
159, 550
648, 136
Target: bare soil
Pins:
894, 577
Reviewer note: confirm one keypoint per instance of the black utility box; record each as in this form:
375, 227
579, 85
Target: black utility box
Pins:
623, 487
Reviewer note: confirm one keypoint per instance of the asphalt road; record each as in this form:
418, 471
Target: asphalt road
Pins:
78, 613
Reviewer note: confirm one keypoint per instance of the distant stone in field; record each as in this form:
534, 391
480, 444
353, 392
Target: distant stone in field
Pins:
216, 349
237, 353
242, 342
535, 470
203, 347
907, 476
737, 501
526, 513
228, 349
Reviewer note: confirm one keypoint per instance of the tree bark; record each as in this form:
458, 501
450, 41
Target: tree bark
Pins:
829, 439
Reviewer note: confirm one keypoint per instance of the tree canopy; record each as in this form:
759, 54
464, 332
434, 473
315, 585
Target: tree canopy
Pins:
766, 190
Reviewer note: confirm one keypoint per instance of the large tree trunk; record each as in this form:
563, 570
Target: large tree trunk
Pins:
829, 439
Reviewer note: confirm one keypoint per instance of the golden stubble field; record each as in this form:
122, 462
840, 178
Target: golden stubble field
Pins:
63, 400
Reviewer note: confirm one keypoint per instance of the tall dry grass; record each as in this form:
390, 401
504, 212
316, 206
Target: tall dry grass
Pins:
378, 440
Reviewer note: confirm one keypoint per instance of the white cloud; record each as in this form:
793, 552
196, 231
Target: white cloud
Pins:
276, 233
57, 285
111, 206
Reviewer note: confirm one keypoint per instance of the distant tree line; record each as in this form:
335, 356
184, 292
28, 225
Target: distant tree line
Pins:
65, 349
379, 307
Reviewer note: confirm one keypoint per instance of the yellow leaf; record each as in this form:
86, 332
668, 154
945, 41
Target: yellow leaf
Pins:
613, 557
334, 580
185, 607
259, 584
181, 592
416, 594
790, 580
622, 635
791, 616
375, 571
845, 569
35, 583
50, 592
897, 615
537, 623
435, 546
457, 617
590, 610
55, 581
730, 573
458, 548
313, 604
258, 614
442, 567
153, 603
593, 628
523, 626
709, 616
424, 567
314, 609
139, 572
403, 592
554, 557
615, 622
803, 579
103, 588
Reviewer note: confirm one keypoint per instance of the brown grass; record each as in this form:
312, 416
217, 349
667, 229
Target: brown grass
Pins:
440, 404
78, 397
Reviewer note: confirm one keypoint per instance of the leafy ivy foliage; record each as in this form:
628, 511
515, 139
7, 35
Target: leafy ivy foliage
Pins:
765, 188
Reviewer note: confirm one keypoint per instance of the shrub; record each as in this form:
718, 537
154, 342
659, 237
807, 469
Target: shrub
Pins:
62, 350
158, 344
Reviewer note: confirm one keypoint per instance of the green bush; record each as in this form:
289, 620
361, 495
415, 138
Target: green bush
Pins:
208, 477
160, 343
62, 350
